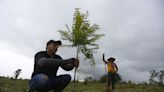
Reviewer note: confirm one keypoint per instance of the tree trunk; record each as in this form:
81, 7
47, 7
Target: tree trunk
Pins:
74, 80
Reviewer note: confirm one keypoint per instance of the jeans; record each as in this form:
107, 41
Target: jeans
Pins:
111, 79
43, 83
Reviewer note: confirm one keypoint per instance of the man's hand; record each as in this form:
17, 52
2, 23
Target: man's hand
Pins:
76, 63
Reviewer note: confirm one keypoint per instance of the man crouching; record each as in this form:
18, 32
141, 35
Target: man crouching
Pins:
46, 64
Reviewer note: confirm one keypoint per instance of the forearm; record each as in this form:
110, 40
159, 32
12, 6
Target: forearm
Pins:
53, 62
67, 67
105, 62
116, 68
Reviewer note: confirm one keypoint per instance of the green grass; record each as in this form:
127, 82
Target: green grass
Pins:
99, 87
9, 85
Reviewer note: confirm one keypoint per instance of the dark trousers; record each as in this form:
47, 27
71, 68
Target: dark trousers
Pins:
111, 79
43, 83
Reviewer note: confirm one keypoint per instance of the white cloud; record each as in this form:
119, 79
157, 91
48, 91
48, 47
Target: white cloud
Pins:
11, 61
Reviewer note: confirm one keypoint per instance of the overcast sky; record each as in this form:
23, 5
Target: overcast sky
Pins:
134, 30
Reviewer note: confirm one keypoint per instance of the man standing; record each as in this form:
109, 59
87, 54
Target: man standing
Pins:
112, 70
46, 65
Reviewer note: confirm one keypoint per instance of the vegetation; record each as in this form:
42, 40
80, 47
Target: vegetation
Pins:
17, 73
117, 78
158, 75
10, 85
82, 36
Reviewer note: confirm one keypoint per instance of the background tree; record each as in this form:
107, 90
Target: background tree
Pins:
159, 75
153, 74
103, 78
82, 36
118, 77
87, 79
17, 73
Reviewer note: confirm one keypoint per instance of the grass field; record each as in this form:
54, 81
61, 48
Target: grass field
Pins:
9, 85
99, 87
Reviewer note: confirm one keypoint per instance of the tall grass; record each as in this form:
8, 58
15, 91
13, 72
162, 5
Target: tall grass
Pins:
10, 85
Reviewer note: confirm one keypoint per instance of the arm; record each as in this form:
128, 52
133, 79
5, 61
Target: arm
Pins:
116, 67
104, 59
70, 66
105, 62
51, 62
67, 67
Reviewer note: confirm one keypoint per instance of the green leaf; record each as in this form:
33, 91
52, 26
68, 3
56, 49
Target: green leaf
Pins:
82, 35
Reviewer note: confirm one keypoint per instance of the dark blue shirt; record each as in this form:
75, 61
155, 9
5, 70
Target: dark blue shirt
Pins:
48, 70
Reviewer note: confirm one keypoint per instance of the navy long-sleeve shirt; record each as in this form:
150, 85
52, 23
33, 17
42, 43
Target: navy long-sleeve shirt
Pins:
44, 63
